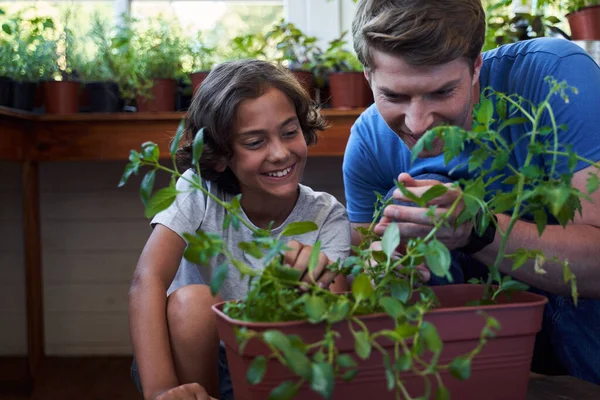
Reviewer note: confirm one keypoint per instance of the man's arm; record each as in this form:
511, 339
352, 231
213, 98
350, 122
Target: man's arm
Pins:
578, 242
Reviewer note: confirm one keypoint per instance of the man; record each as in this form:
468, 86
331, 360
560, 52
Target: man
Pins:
423, 61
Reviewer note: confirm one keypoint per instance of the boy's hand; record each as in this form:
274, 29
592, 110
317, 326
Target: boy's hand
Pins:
298, 258
189, 391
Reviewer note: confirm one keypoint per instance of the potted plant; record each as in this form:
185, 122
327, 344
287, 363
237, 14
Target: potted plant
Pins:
159, 50
297, 51
202, 59
391, 336
24, 56
100, 69
348, 86
584, 19
62, 61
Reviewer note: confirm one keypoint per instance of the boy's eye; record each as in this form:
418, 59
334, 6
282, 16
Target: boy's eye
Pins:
291, 133
253, 144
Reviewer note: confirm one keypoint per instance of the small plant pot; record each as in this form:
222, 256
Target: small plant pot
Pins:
103, 97
307, 80
24, 95
349, 90
61, 97
505, 360
197, 79
163, 97
585, 23
6, 85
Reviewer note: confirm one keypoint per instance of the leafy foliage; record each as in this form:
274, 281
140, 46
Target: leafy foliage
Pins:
385, 279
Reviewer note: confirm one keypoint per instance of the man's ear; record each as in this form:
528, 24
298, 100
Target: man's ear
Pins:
367, 76
476, 69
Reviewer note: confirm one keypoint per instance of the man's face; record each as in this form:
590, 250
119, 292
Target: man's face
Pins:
414, 99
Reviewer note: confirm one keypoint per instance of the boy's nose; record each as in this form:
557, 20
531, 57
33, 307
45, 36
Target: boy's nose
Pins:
278, 151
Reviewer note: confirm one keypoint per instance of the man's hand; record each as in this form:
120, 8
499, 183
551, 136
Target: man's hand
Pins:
189, 391
414, 222
298, 258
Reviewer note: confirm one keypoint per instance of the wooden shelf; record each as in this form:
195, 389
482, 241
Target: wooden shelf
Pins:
111, 136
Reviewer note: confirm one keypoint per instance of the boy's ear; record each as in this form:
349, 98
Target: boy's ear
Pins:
220, 166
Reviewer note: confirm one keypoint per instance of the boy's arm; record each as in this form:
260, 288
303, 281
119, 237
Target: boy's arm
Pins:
147, 310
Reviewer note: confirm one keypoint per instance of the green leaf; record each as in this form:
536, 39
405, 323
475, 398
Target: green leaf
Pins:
313, 260
218, 278
315, 308
532, 172
521, 256
477, 158
556, 198
460, 368
392, 307
501, 109
362, 345
390, 240
361, 288
513, 285
129, 170
285, 391
146, 186
161, 200
286, 273
251, 248
433, 193
485, 111
442, 393
406, 330
438, 259
257, 370
346, 361
500, 161
177, 138
400, 289
389, 373
349, 375
432, 339
338, 311
299, 228
298, 362
322, 379
592, 183
541, 219
512, 121
403, 362
277, 339
198, 146
243, 268
503, 202
408, 194
150, 152
7, 29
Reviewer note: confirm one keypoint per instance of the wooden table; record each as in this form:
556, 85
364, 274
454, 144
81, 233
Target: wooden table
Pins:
29, 139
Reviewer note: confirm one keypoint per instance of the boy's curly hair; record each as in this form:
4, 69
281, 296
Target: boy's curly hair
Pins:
214, 106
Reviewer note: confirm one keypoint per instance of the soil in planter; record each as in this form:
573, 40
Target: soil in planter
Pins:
6, 91
24, 95
505, 360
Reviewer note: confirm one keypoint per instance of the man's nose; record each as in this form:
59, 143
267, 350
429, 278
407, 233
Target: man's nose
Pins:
418, 119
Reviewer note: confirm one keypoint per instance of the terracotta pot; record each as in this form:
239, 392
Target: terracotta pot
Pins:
163, 97
197, 79
585, 23
307, 80
505, 360
349, 90
61, 97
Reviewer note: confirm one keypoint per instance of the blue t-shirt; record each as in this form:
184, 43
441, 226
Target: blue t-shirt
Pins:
375, 155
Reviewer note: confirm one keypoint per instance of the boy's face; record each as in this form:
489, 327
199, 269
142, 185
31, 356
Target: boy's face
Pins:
414, 99
269, 149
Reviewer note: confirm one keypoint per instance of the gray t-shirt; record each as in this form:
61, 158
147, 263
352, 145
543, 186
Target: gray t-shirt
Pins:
192, 210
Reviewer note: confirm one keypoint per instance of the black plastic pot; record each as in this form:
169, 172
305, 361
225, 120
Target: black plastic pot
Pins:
5, 91
103, 97
23, 95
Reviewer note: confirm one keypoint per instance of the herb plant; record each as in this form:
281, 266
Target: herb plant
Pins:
386, 280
